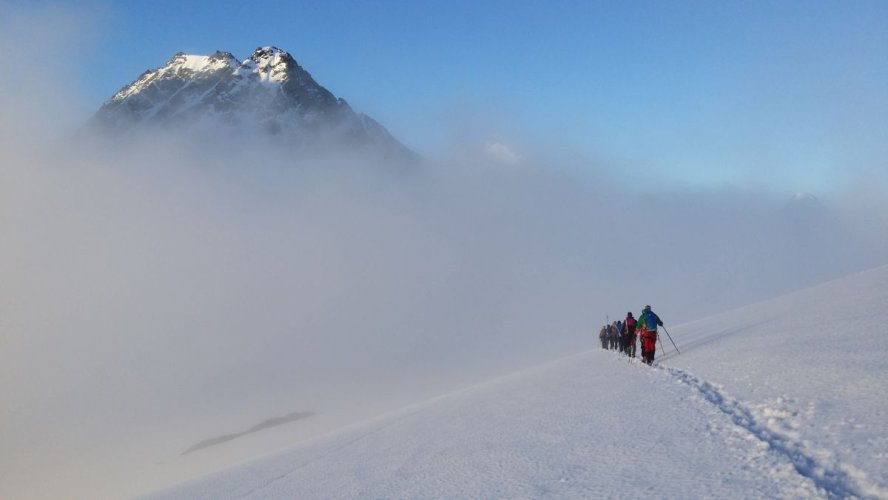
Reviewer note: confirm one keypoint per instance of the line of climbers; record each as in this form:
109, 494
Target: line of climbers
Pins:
621, 335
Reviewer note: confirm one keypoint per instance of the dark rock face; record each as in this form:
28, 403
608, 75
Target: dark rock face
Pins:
268, 94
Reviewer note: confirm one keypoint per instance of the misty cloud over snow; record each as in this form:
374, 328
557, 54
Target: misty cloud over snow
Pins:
158, 295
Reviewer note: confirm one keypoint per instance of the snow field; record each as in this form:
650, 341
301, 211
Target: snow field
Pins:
774, 400
809, 367
589, 426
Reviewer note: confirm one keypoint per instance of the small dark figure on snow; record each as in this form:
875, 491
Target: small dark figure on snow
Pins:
614, 336
648, 321
602, 336
621, 341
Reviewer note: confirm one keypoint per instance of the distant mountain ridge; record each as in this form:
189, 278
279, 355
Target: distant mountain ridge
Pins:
269, 94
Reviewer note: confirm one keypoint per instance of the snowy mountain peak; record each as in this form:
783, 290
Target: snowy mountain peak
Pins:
182, 62
272, 65
270, 52
805, 203
227, 57
501, 153
267, 94
181, 66
802, 196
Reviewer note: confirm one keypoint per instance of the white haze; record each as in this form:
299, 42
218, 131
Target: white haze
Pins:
156, 293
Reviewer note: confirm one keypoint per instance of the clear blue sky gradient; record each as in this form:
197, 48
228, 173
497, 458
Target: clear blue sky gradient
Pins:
787, 94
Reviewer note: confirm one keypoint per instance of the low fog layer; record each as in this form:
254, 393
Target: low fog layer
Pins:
158, 293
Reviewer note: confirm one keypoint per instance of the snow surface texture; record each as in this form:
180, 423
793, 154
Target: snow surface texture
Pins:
268, 95
780, 399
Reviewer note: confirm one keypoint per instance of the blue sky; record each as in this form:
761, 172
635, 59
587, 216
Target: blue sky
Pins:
792, 95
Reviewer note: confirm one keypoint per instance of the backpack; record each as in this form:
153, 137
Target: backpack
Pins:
630, 325
651, 320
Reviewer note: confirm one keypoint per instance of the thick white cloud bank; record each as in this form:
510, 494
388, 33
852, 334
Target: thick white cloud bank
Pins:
158, 296
156, 292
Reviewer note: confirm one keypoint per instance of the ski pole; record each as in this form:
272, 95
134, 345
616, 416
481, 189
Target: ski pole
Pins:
670, 340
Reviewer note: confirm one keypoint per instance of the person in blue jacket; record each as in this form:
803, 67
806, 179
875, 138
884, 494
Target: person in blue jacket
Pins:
648, 321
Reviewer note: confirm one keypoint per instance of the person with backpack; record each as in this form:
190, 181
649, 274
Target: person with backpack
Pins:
621, 344
648, 321
629, 332
614, 336
602, 336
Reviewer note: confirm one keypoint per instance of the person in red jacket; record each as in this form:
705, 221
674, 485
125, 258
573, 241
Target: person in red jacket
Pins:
648, 321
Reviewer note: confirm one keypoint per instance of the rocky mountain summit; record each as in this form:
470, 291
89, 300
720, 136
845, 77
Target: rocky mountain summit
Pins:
268, 94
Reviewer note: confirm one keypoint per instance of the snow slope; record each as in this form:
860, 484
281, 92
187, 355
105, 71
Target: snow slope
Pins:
778, 399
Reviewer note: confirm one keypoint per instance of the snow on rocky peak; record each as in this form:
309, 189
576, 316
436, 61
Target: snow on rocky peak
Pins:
270, 64
202, 64
181, 66
269, 93
802, 196
805, 206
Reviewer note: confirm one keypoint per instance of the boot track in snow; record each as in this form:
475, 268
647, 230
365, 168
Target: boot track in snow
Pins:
829, 477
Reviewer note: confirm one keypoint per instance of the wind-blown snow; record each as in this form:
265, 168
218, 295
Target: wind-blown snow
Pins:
777, 399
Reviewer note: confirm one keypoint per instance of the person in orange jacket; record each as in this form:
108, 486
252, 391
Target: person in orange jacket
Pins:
602, 335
